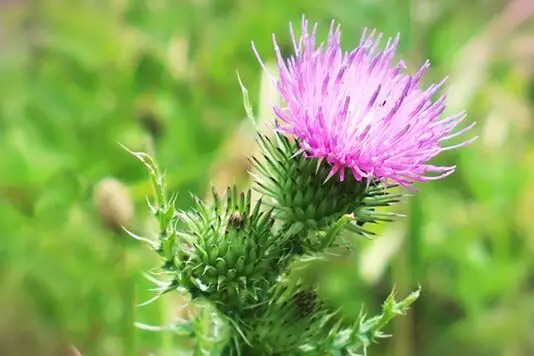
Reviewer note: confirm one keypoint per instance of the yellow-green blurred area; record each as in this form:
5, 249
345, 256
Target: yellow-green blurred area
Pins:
79, 77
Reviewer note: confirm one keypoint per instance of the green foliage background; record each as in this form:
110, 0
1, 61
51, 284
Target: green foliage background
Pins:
78, 77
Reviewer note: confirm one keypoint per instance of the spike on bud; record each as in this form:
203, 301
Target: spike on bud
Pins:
236, 220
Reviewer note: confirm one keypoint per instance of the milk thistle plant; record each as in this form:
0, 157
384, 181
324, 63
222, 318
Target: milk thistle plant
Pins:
353, 125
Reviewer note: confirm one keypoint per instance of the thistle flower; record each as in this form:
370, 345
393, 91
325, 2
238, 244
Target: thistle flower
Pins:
361, 112
354, 112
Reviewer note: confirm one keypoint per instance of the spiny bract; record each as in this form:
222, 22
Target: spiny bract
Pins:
305, 201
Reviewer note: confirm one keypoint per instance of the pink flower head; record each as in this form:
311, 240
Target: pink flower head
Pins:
362, 112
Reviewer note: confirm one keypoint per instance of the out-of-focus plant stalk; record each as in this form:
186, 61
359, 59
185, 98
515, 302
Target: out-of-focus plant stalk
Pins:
115, 208
233, 163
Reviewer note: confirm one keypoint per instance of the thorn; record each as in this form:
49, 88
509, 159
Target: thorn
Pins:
319, 162
153, 244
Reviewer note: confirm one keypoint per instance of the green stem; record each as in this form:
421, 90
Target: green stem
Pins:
126, 284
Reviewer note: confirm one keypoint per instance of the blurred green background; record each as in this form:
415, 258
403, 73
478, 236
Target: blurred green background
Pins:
78, 77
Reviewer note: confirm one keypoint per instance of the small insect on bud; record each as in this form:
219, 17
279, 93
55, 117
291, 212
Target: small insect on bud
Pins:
305, 303
237, 220
113, 204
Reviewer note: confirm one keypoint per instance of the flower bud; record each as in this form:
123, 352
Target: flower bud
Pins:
221, 248
113, 204
290, 321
